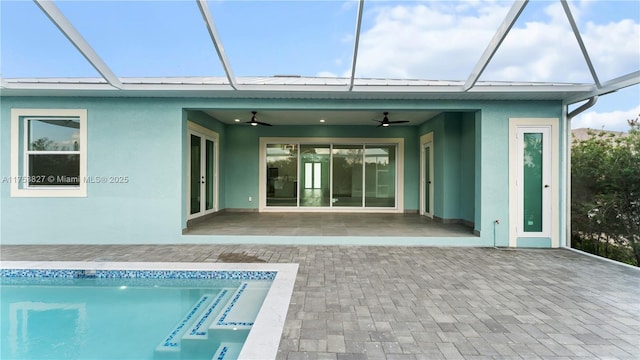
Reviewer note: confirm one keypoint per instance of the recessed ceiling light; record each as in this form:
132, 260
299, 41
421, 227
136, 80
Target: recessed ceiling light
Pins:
321, 120
237, 120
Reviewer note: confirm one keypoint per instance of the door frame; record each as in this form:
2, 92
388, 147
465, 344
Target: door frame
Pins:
426, 140
206, 134
551, 209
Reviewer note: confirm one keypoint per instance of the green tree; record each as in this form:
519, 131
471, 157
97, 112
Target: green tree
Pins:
605, 210
43, 144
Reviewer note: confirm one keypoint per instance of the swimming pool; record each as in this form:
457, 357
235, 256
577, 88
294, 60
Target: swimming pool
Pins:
106, 310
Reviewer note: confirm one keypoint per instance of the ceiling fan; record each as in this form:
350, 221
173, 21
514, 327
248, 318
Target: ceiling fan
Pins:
385, 121
254, 120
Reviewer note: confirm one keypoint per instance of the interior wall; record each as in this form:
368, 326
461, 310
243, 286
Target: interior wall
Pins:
451, 167
242, 157
467, 166
454, 165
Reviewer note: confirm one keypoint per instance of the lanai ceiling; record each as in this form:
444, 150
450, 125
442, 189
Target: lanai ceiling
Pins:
557, 50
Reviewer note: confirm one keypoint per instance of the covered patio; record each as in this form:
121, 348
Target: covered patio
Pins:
324, 224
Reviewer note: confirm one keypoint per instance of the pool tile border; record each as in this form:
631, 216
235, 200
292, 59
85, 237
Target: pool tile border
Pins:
264, 337
137, 274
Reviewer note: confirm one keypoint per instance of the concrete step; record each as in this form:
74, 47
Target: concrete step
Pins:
227, 350
171, 342
241, 310
199, 330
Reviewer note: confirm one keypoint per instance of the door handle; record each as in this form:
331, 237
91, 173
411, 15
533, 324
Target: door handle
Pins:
546, 186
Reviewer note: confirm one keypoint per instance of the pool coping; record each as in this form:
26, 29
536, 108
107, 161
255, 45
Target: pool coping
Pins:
263, 339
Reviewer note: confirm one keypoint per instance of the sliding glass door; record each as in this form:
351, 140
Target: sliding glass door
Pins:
282, 175
380, 176
347, 175
342, 175
314, 177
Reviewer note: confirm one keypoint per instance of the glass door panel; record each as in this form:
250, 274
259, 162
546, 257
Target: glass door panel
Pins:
209, 174
282, 175
195, 176
202, 174
427, 179
380, 187
314, 175
347, 175
532, 182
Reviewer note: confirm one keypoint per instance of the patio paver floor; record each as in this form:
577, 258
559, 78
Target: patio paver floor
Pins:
367, 302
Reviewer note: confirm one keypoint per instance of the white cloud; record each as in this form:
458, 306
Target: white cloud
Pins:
444, 40
613, 120
614, 47
326, 74
426, 41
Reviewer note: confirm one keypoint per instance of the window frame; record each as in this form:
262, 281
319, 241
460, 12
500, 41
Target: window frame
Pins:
20, 151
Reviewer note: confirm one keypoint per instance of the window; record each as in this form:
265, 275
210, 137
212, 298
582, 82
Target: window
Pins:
48, 152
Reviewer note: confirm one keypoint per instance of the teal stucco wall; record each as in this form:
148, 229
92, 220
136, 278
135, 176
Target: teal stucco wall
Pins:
145, 140
136, 138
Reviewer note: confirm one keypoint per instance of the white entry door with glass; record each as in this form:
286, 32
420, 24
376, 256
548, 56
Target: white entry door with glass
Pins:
202, 172
533, 183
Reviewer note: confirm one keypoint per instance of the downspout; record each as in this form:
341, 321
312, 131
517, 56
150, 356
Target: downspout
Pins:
592, 101
567, 171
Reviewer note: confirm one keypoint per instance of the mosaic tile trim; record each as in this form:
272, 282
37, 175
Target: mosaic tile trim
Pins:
195, 331
139, 274
228, 310
41, 273
223, 353
186, 274
167, 283
168, 342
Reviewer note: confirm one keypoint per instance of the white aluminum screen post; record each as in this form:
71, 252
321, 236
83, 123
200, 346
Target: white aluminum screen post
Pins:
68, 30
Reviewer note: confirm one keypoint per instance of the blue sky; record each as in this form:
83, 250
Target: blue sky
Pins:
439, 40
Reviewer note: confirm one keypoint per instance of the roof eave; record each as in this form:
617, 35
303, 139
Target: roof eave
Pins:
211, 87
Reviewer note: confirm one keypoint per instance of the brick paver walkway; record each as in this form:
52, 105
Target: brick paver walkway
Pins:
357, 302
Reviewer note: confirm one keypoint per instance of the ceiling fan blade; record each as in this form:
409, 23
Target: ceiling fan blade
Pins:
254, 120
399, 122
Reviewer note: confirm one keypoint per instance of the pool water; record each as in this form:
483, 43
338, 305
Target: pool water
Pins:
127, 318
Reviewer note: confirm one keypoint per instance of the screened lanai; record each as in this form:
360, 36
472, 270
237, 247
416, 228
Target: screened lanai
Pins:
504, 49
358, 106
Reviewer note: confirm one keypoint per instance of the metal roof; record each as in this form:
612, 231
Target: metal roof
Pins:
348, 87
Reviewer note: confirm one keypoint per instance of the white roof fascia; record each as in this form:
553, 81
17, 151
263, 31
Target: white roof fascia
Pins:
217, 43
576, 32
160, 84
409, 88
56, 16
610, 86
409, 93
540, 88
496, 41
356, 44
